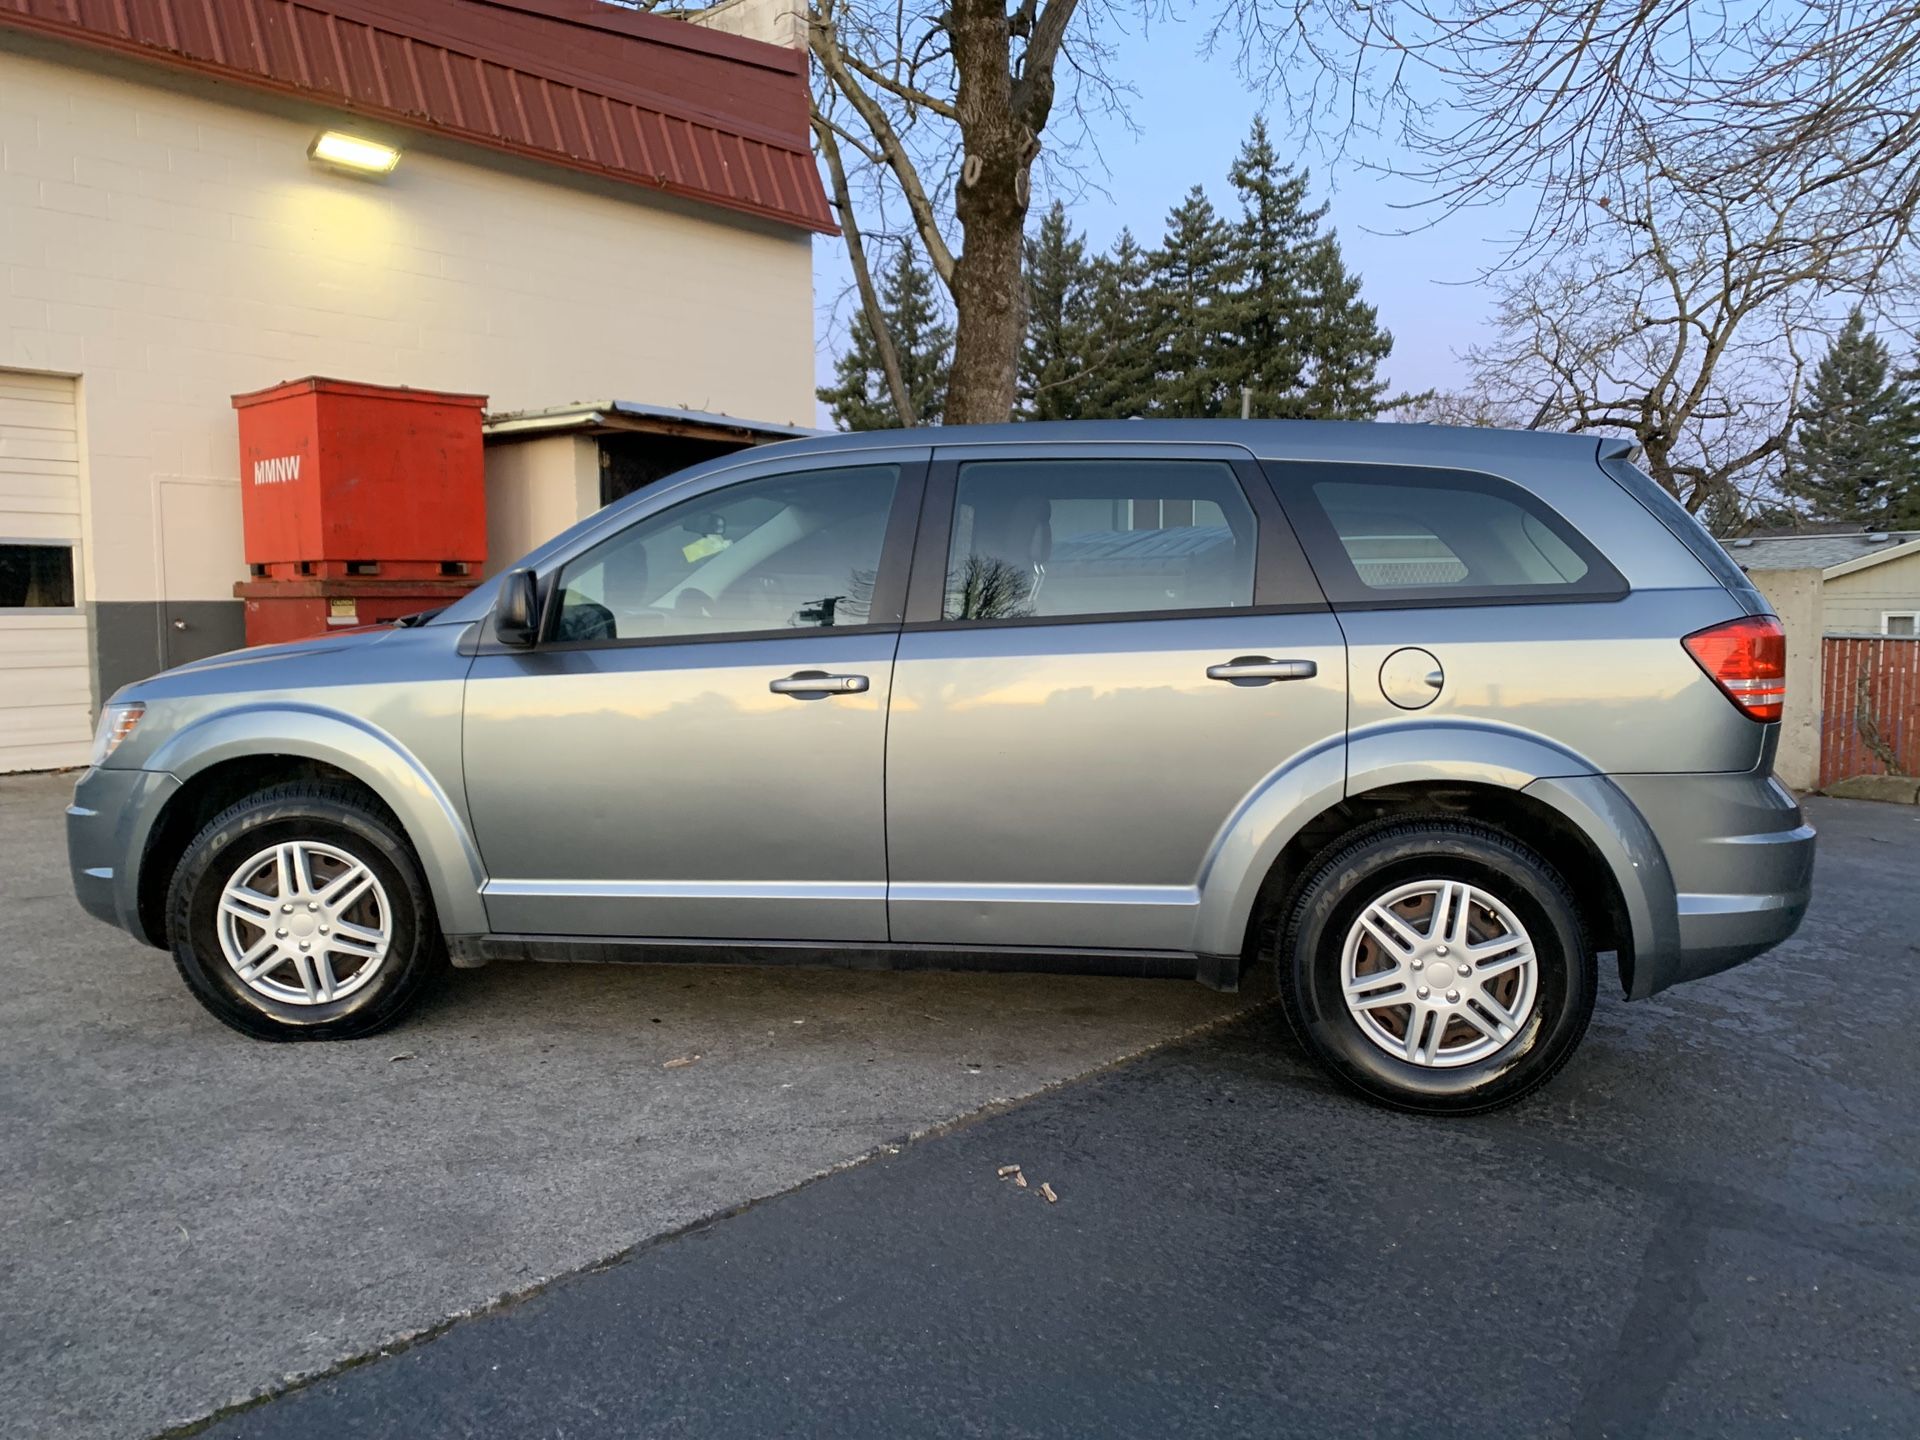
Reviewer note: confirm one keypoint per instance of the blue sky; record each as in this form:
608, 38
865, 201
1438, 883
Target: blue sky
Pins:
1188, 119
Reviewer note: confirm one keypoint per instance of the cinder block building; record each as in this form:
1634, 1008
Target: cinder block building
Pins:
598, 219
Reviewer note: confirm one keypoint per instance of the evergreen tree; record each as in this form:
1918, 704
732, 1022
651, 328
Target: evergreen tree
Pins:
1054, 362
1268, 312
1190, 278
1853, 457
860, 398
1121, 342
1903, 510
1342, 340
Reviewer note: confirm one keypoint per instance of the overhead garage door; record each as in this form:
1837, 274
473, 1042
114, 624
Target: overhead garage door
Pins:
45, 705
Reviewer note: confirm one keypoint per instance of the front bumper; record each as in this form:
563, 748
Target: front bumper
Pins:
107, 827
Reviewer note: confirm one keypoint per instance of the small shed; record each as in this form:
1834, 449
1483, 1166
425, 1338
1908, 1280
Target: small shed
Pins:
549, 467
1870, 579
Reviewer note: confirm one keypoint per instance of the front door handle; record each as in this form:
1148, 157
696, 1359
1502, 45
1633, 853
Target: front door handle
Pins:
818, 682
1259, 668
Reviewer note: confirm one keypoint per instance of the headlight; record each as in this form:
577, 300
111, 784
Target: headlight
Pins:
116, 724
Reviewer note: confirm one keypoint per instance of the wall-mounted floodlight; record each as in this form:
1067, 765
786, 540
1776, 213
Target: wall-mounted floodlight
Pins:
350, 152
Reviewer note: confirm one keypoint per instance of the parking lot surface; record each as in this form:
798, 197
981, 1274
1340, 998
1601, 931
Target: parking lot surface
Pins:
189, 1218
1704, 1227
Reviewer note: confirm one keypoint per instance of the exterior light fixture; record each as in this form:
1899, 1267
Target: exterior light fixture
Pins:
350, 152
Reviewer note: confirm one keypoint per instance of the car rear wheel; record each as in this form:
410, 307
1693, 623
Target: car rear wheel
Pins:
301, 914
1437, 965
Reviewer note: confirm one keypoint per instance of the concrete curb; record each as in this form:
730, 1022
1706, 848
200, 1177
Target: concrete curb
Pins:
1893, 789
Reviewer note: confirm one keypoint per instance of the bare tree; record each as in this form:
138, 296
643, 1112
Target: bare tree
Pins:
1708, 173
1681, 322
958, 93
1559, 100
1709, 177
1471, 406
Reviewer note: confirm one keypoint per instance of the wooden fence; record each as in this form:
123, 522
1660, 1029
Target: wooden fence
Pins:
1870, 703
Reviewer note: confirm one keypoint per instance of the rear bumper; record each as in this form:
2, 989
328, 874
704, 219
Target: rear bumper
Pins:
107, 827
1741, 858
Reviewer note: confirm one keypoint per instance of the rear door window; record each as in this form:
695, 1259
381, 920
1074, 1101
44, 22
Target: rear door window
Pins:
1035, 539
1386, 535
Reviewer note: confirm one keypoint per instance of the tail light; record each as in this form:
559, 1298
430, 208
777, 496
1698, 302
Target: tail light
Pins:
1747, 659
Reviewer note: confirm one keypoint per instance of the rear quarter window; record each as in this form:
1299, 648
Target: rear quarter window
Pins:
1399, 535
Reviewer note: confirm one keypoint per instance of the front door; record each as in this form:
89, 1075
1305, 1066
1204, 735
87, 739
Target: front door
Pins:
694, 749
1107, 651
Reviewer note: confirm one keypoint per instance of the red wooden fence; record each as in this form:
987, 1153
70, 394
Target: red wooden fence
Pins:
1870, 722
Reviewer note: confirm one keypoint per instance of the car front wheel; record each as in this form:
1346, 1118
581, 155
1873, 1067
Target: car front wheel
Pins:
1437, 965
301, 914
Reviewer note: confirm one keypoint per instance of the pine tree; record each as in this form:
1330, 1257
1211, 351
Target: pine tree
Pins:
1903, 509
860, 400
1121, 342
1342, 340
1267, 313
1054, 362
1853, 458
1189, 278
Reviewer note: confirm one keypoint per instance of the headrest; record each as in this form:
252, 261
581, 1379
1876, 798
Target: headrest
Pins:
624, 585
1026, 535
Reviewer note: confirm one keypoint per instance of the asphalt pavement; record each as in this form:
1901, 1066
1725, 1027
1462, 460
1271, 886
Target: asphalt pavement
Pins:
1706, 1226
189, 1219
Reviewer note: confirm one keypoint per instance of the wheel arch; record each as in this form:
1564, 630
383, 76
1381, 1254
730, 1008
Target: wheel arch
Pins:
1546, 796
1548, 832
228, 756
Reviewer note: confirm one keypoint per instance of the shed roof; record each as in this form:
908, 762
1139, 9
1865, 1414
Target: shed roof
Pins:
1816, 552
575, 83
601, 416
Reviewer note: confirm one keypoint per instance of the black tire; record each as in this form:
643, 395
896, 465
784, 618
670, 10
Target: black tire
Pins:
337, 816
1368, 864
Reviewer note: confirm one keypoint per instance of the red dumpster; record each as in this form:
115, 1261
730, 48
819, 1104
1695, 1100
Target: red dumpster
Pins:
339, 479
282, 610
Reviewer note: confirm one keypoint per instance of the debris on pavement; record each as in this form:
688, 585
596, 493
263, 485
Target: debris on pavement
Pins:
679, 1062
1015, 1174
403, 1055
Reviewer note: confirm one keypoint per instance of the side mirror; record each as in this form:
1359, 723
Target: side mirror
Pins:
516, 609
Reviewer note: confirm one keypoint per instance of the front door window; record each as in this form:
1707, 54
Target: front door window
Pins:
782, 553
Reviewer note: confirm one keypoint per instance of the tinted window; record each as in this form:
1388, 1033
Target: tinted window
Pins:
1097, 537
1420, 534
36, 577
784, 552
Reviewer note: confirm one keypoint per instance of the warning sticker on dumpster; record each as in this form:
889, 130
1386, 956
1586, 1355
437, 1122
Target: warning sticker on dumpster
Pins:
343, 612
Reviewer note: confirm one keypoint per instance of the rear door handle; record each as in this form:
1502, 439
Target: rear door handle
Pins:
1259, 667
818, 682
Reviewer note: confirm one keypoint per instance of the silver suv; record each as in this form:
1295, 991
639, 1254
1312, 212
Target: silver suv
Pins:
1438, 722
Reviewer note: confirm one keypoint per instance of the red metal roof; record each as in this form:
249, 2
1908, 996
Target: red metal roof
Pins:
633, 97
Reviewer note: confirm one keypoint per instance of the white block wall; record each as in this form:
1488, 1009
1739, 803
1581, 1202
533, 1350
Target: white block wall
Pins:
169, 243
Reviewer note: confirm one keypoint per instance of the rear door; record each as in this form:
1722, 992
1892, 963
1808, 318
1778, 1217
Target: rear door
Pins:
1107, 649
